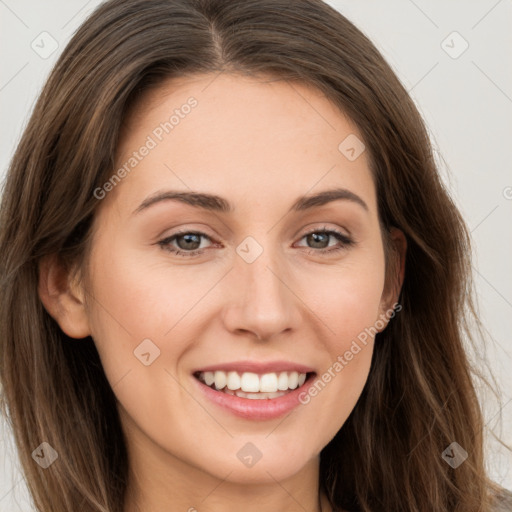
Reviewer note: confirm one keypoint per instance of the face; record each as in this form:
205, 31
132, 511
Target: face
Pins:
261, 287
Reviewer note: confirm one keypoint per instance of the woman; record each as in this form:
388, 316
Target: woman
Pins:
232, 277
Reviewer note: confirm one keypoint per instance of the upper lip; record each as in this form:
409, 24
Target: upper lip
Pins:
257, 367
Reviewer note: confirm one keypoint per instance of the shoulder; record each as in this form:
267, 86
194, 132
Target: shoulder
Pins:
503, 502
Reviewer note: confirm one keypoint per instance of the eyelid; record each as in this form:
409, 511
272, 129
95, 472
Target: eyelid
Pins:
323, 227
313, 227
193, 227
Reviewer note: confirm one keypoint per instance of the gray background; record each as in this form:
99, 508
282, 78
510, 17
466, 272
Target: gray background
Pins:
464, 96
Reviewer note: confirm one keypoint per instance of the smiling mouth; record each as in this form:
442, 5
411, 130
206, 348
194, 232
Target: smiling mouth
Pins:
252, 385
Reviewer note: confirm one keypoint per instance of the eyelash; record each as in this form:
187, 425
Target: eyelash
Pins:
344, 239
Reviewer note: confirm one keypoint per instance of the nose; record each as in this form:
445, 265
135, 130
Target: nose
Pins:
262, 301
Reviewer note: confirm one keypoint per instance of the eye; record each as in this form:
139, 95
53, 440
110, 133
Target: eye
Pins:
188, 242
319, 239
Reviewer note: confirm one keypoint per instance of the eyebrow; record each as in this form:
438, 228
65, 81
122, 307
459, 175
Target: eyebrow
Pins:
216, 203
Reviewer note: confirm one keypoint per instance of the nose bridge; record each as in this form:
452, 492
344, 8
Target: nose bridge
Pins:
262, 302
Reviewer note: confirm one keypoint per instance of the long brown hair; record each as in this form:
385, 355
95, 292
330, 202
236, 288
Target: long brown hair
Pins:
419, 397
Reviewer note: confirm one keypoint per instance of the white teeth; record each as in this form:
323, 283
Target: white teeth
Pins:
220, 379
282, 381
249, 383
268, 382
233, 381
293, 380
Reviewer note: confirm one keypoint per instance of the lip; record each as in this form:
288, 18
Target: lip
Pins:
257, 367
262, 409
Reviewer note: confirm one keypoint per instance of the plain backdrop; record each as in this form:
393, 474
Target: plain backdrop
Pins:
454, 59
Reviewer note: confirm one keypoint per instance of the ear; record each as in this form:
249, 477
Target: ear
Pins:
63, 297
395, 273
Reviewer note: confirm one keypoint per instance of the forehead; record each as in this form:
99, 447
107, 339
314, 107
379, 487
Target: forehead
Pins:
241, 136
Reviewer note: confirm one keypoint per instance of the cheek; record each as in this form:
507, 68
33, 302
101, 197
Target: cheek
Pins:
347, 299
131, 304
137, 298
348, 303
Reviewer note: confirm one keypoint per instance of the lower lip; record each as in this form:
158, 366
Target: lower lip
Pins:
256, 409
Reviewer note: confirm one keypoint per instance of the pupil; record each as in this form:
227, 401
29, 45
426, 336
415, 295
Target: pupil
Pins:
316, 238
189, 239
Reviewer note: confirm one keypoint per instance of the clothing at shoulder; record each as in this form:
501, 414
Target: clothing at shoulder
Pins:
503, 501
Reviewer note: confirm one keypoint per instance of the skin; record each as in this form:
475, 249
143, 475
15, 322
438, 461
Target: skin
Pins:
260, 145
